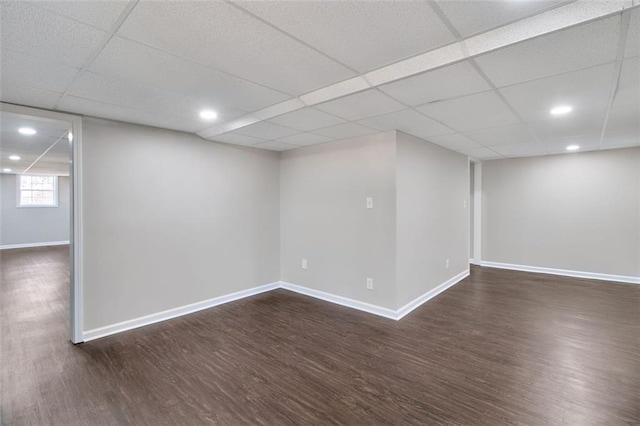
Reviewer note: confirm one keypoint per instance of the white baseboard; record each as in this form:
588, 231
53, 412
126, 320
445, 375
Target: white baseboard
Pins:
205, 304
175, 312
27, 245
563, 272
415, 303
339, 300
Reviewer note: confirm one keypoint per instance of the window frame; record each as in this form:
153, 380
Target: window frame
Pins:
36, 206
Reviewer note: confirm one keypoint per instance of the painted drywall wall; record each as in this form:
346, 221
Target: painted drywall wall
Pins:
432, 216
577, 211
26, 225
171, 219
324, 219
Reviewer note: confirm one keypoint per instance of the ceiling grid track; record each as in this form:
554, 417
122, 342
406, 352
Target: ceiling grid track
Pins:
45, 152
280, 30
112, 31
566, 16
475, 65
625, 19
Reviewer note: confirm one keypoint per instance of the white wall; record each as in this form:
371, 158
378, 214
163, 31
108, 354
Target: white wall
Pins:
171, 219
323, 217
577, 212
418, 221
432, 216
33, 224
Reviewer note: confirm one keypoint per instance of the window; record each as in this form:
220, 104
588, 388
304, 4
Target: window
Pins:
37, 191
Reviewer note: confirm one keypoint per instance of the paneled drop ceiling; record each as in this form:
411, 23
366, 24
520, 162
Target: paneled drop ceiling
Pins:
46, 152
375, 65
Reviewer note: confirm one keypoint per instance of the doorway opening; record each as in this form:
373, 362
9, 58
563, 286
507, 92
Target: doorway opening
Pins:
40, 226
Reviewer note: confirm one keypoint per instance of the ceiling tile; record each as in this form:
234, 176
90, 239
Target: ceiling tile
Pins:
37, 32
305, 139
633, 37
436, 85
521, 149
208, 33
479, 111
28, 96
515, 133
307, 119
129, 115
482, 153
29, 148
623, 127
408, 121
275, 146
470, 17
573, 124
455, 142
562, 51
54, 161
361, 105
154, 68
265, 130
362, 34
47, 131
26, 70
101, 14
555, 146
628, 93
585, 142
237, 139
127, 94
584, 90
346, 130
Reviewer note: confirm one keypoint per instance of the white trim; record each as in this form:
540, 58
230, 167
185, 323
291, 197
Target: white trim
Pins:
415, 303
327, 297
563, 272
340, 300
26, 245
174, 312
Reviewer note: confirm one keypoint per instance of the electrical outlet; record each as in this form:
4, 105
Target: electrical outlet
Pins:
464, 203
370, 283
304, 263
446, 264
369, 202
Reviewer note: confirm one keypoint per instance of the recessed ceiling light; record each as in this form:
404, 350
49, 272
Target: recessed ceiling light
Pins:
208, 114
562, 109
14, 157
27, 131
6, 170
572, 147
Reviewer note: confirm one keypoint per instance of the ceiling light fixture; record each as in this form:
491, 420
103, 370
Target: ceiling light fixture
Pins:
573, 147
27, 131
208, 114
14, 157
6, 170
560, 110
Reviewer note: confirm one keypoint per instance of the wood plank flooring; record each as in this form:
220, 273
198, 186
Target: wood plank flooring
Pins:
500, 347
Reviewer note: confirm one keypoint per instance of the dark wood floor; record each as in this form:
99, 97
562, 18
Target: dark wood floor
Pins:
499, 348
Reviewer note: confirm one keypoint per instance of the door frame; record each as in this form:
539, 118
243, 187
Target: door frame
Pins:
76, 237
